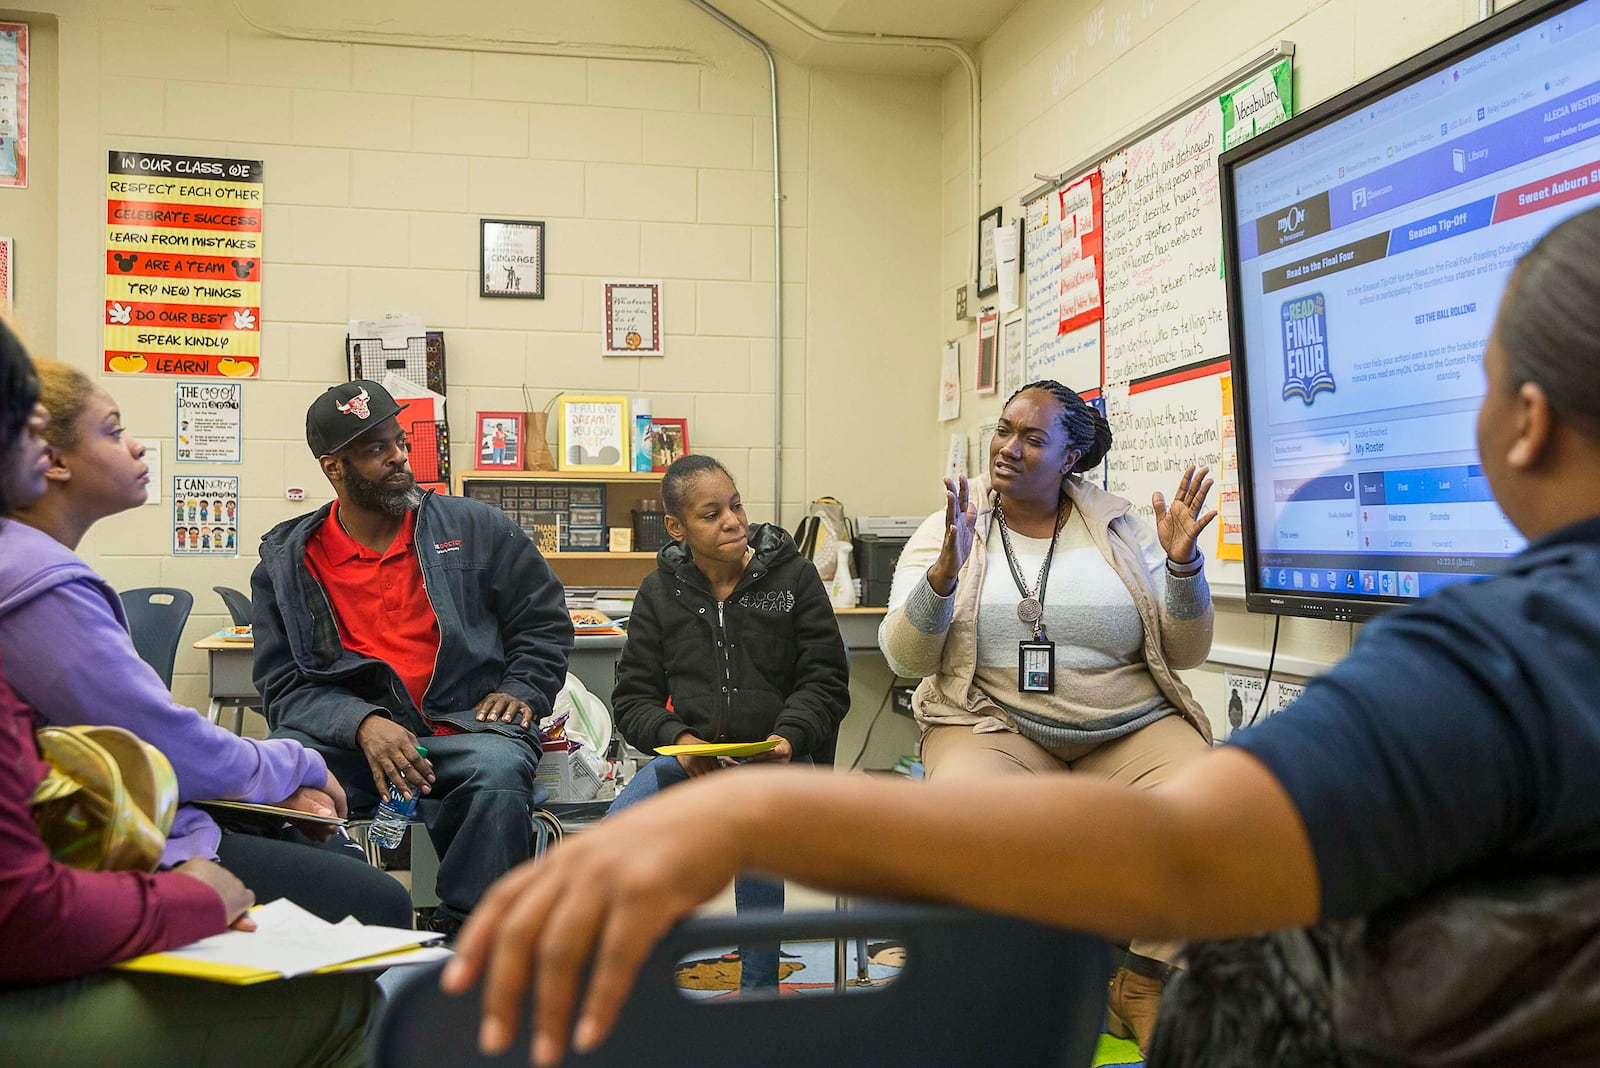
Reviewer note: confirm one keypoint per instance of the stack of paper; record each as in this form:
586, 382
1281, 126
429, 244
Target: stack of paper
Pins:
289, 941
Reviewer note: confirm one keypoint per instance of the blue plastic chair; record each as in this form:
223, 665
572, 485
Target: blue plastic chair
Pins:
156, 615
238, 604
976, 989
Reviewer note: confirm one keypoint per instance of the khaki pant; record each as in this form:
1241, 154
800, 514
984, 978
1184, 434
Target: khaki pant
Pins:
162, 1021
1147, 757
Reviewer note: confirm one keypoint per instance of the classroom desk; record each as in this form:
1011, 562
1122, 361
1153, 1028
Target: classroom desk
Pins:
859, 626
228, 667
593, 660
230, 685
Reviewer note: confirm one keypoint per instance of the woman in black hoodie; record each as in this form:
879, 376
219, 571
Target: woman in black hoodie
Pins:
732, 639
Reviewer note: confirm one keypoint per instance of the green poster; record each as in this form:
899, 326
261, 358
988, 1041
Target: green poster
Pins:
1259, 104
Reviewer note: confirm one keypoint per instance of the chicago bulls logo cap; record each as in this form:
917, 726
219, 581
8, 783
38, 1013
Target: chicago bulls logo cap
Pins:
345, 412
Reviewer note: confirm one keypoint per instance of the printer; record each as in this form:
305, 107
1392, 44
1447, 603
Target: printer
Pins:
876, 548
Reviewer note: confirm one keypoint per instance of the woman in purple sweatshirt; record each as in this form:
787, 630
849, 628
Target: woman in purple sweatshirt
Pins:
70, 658
59, 926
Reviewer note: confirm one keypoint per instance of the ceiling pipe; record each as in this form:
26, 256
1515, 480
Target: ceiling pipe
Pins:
894, 40
461, 42
777, 256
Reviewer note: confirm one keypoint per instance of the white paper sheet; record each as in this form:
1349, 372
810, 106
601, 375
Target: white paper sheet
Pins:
290, 941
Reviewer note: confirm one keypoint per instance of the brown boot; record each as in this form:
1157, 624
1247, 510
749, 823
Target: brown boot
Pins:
1132, 1006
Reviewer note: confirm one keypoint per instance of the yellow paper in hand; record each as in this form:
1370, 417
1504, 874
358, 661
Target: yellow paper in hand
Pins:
719, 749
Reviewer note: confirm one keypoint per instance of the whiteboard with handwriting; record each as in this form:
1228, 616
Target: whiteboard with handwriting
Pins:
1160, 354
1166, 306
1072, 358
1158, 427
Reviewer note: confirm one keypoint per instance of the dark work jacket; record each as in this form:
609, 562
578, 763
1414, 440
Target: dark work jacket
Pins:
503, 626
768, 660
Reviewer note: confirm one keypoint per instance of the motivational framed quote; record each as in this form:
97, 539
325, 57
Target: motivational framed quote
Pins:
631, 313
593, 434
511, 258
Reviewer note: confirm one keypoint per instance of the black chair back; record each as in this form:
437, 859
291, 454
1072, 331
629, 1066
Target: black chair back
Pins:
238, 603
156, 615
976, 989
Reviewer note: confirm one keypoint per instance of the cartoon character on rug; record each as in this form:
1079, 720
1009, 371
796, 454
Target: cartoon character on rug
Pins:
719, 976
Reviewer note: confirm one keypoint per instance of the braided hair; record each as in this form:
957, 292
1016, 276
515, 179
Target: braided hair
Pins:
1087, 430
19, 392
681, 475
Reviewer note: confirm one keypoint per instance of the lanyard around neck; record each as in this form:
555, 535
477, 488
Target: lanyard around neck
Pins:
1031, 608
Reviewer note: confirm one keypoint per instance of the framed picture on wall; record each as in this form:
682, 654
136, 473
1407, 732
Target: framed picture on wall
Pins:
13, 104
511, 258
500, 437
988, 263
669, 441
1013, 362
631, 316
592, 434
987, 375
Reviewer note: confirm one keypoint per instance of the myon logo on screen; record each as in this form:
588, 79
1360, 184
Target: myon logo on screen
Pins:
1292, 222
1305, 348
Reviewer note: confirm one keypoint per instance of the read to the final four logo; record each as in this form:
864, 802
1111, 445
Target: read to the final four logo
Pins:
1305, 348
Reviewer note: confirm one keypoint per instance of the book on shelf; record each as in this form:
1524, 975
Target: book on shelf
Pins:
548, 530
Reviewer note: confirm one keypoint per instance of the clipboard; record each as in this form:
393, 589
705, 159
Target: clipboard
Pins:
273, 814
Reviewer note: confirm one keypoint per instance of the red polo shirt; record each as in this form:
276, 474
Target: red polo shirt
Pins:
378, 599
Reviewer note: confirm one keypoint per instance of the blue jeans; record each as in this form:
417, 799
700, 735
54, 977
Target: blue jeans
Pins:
478, 815
758, 965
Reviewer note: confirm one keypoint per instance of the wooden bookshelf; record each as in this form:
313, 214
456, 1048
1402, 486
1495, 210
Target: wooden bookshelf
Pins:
623, 492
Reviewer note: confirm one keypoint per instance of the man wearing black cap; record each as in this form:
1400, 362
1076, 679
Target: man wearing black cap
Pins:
394, 614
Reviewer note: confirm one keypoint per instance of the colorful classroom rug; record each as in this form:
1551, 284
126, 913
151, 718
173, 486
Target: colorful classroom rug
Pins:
806, 967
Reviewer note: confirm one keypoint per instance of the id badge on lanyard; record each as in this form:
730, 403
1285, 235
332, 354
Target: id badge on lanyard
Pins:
1036, 666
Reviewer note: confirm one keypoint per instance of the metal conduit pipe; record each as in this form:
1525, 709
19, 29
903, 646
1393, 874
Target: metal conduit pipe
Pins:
479, 44
777, 257
460, 42
809, 28
892, 40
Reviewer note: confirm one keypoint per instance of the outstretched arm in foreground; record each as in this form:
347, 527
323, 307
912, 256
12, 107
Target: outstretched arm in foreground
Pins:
1218, 850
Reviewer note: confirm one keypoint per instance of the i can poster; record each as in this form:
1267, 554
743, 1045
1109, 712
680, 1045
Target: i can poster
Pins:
183, 265
205, 515
13, 104
210, 422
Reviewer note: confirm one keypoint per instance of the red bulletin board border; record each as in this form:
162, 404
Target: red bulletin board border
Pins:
221, 269
182, 363
1183, 374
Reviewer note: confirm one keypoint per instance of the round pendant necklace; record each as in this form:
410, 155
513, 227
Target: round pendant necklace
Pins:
1030, 609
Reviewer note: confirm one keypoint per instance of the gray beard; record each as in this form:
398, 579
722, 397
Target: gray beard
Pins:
364, 493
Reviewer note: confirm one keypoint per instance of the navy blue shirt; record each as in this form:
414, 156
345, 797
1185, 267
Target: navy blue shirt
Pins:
1460, 730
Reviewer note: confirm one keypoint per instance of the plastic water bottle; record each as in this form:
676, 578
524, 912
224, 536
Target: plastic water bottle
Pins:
394, 813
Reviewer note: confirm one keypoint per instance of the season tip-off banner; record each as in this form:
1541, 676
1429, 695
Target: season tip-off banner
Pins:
183, 265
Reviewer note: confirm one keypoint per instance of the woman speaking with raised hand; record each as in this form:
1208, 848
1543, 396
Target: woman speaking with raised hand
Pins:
1048, 623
